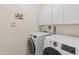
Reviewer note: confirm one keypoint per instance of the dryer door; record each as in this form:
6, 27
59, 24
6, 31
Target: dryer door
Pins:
31, 46
51, 51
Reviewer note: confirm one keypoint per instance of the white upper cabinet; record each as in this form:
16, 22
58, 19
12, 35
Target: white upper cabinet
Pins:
71, 14
57, 13
44, 16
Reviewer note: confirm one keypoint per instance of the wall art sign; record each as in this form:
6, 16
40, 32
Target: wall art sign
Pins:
19, 16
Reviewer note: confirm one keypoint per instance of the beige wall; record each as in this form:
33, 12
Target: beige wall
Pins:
13, 40
44, 28
66, 29
72, 30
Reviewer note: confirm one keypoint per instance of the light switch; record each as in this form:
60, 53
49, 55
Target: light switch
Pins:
13, 24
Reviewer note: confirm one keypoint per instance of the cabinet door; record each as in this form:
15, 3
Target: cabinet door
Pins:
71, 14
44, 17
57, 13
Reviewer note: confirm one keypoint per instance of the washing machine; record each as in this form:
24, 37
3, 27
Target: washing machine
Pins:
36, 43
61, 45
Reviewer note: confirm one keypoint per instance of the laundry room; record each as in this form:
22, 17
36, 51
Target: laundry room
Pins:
39, 29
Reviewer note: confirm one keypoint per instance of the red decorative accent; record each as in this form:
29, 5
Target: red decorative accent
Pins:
19, 16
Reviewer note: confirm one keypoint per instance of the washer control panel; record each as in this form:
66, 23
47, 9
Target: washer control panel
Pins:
55, 43
68, 48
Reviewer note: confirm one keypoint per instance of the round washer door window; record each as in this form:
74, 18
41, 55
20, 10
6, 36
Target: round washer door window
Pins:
31, 46
51, 51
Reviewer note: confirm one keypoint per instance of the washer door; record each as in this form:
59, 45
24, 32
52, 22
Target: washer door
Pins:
51, 51
31, 46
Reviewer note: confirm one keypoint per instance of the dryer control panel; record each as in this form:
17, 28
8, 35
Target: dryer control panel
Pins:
68, 48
